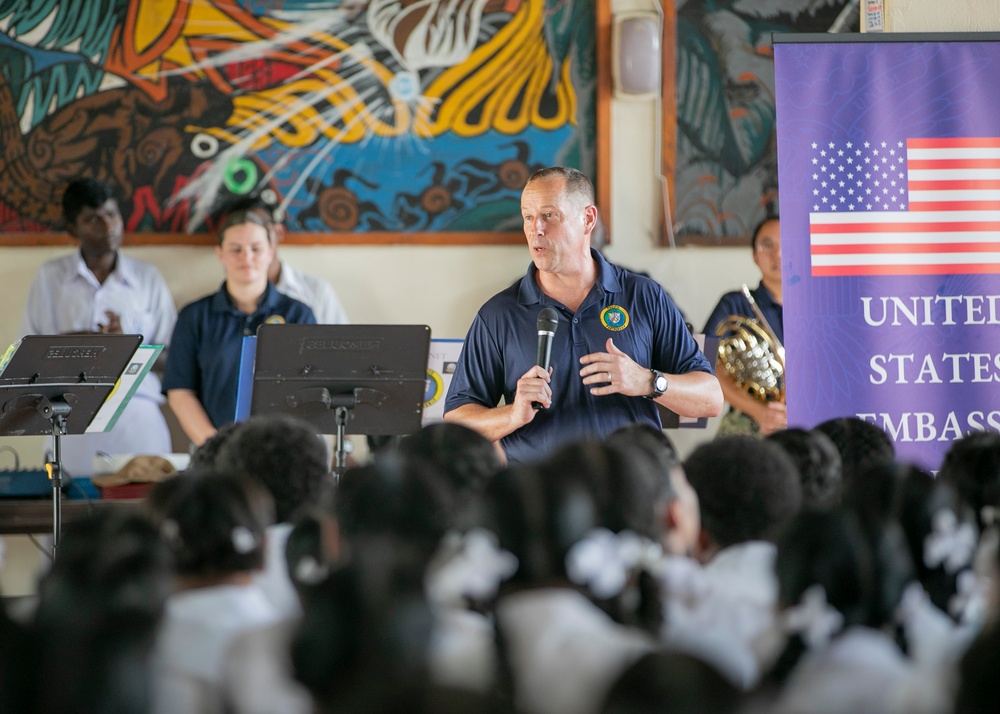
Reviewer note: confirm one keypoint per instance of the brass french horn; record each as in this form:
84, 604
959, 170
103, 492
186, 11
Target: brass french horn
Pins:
752, 355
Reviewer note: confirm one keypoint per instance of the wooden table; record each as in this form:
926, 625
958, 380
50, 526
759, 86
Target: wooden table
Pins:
34, 515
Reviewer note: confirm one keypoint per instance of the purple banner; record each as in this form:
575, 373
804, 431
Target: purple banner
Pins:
889, 184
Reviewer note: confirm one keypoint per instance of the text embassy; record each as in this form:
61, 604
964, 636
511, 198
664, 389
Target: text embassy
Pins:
925, 426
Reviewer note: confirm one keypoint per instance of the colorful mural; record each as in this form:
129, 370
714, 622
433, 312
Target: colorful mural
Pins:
354, 116
726, 166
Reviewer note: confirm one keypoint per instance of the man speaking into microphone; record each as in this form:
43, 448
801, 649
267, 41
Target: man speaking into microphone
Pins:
616, 345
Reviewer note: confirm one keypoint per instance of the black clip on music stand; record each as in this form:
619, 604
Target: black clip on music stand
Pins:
55, 384
343, 379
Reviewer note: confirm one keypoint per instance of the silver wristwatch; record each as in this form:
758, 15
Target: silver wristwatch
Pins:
660, 384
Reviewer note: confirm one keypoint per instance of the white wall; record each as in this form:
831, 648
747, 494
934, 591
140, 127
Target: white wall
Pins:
927, 15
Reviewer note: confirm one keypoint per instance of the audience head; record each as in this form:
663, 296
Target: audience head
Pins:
826, 582
88, 646
972, 466
617, 486
860, 444
214, 525
825, 548
818, 463
284, 454
675, 501
748, 488
204, 456
621, 483
396, 509
154, 506
941, 534
671, 682
539, 512
874, 496
465, 457
362, 645
538, 517
363, 642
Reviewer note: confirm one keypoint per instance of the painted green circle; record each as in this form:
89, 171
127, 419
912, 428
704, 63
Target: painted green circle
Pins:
234, 182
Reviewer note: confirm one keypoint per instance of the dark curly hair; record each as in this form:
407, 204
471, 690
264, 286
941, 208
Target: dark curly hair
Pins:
972, 466
818, 461
284, 454
747, 488
465, 457
860, 443
214, 524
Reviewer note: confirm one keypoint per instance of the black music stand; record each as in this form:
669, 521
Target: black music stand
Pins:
55, 384
343, 379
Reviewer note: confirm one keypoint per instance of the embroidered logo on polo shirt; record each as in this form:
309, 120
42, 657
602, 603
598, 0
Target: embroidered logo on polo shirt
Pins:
614, 318
275, 320
434, 388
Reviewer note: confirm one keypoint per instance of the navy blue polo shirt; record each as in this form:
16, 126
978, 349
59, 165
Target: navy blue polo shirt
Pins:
204, 351
502, 345
736, 303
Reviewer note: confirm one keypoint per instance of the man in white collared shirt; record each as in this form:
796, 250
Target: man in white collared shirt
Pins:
313, 291
97, 290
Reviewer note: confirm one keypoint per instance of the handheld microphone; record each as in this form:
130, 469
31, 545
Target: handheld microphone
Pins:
548, 321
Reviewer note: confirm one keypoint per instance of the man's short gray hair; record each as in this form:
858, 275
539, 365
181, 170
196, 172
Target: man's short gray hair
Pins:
577, 182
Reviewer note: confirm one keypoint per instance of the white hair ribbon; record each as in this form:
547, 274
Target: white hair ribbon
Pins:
813, 619
602, 561
950, 544
243, 540
474, 571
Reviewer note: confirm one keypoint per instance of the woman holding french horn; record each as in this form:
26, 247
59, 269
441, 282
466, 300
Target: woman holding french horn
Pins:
751, 364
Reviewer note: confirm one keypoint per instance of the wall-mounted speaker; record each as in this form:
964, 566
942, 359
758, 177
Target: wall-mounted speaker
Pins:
635, 55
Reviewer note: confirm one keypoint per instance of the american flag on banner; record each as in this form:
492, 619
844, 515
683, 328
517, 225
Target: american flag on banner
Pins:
914, 207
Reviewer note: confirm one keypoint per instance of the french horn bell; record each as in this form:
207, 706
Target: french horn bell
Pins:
751, 354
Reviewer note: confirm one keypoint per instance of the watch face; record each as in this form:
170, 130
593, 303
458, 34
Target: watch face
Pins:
660, 383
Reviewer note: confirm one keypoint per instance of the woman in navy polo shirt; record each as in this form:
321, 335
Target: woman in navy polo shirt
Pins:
202, 372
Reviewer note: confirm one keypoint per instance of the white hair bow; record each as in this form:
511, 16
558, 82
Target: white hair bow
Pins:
813, 619
603, 561
950, 544
475, 570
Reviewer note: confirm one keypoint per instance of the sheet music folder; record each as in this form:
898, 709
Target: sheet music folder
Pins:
378, 372
78, 370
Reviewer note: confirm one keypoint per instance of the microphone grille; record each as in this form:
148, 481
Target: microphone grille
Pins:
548, 320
